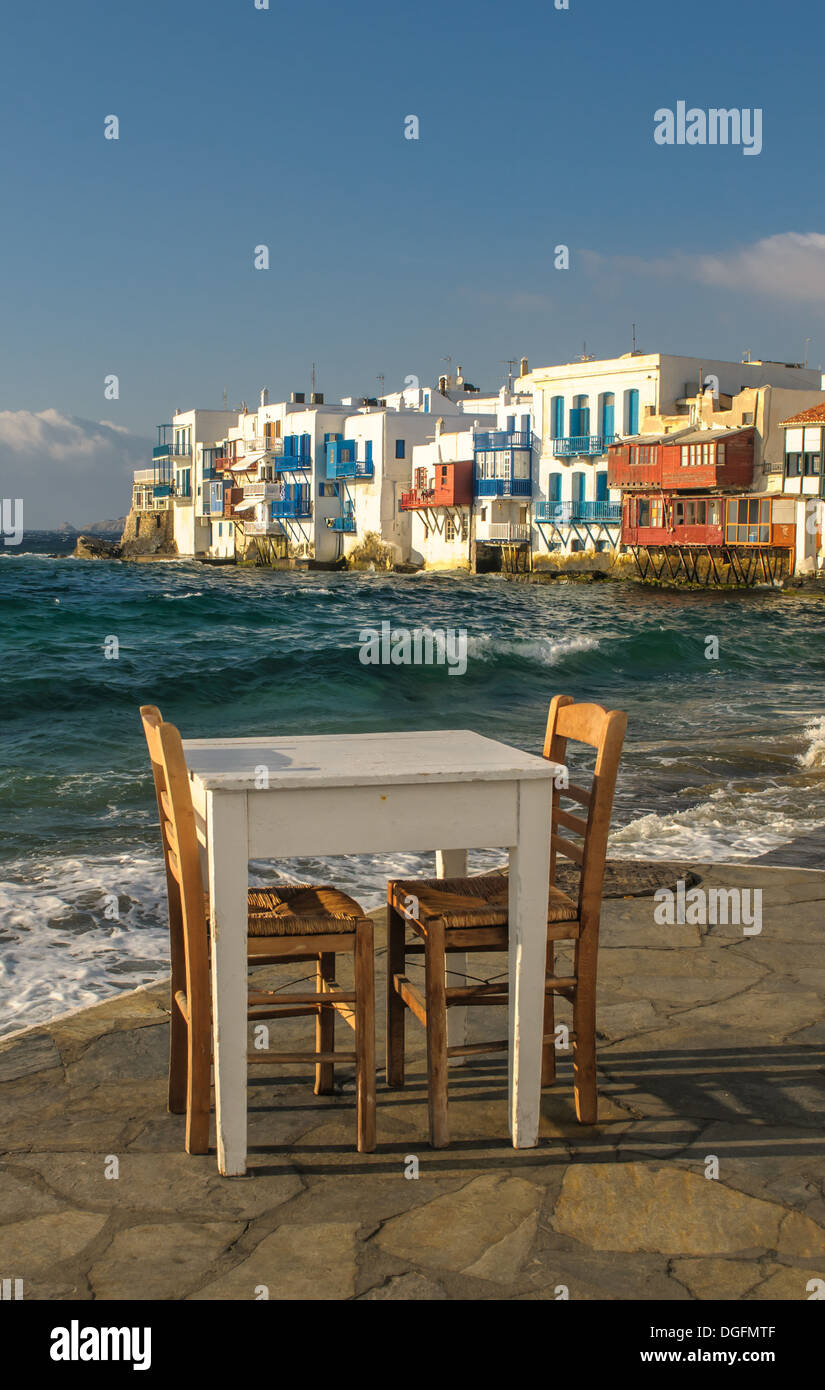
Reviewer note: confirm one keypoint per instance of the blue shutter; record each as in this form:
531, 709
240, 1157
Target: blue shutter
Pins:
608, 415
578, 487
632, 408
554, 487
558, 417
601, 487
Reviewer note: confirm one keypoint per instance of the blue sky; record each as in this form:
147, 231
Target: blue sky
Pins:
286, 127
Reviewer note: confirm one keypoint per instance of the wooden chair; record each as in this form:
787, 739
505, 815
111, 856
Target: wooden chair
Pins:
291, 922
471, 914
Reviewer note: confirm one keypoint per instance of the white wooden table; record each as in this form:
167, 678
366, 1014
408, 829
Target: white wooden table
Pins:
447, 790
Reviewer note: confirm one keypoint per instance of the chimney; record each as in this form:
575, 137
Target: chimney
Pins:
264, 396
317, 398
297, 398
525, 367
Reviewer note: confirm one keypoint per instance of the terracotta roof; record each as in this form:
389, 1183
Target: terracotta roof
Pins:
815, 415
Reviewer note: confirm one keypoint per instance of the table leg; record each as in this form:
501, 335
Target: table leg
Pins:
529, 876
228, 849
452, 863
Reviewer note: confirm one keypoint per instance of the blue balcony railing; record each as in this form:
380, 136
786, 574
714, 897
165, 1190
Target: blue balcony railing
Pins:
589, 445
503, 487
503, 439
350, 468
161, 451
290, 507
563, 513
164, 490
343, 523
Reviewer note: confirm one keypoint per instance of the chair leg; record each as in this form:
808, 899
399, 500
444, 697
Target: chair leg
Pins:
365, 1036
548, 1049
324, 1027
435, 960
178, 1057
396, 1008
198, 1083
584, 1052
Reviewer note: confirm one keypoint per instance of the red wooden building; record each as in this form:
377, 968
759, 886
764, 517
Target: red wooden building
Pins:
692, 460
440, 485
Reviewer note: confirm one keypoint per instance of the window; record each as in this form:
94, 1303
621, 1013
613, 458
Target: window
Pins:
557, 417
714, 513
449, 529
444, 472
580, 417
644, 511
720, 454
748, 521
810, 464
793, 465
657, 512
400, 449
685, 455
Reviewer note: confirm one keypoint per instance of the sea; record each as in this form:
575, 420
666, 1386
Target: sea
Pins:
724, 758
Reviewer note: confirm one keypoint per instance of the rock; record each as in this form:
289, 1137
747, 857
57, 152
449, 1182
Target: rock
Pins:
93, 548
26, 1055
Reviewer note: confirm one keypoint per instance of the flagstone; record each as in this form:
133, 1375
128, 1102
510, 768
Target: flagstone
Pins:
409, 1287
636, 1206
190, 1184
37, 1245
27, 1055
160, 1261
455, 1231
293, 1263
717, 1279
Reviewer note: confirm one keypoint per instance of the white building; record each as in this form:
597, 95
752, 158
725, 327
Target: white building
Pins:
580, 408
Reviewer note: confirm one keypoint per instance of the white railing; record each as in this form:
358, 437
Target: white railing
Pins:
261, 444
508, 531
261, 528
143, 475
262, 492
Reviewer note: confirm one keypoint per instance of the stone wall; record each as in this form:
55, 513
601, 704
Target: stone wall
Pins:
148, 533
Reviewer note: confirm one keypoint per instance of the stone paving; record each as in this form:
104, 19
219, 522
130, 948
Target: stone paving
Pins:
711, 1060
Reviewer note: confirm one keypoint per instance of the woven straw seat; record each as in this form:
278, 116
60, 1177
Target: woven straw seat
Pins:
445, 918
481, 901
300, 923
301, 909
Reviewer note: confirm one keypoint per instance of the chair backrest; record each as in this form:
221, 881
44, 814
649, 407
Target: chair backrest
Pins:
603, 730
184, 883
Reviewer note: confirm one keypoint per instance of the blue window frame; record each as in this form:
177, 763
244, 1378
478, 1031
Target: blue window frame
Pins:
554, 487
368, 451
601, 487
579, 485
400, 449
557, 416
580, 417
608, 413
631, 412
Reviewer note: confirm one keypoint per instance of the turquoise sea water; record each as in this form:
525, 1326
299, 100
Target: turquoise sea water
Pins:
725, 758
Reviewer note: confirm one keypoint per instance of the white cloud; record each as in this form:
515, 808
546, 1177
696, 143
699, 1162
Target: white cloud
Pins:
790, 266
67, 469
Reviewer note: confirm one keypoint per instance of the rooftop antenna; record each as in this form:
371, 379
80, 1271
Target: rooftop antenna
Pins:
380, 380
509, 363
313, 378
807, 341
585, 357
224, 398
634, 337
